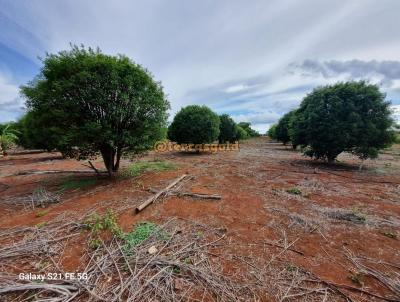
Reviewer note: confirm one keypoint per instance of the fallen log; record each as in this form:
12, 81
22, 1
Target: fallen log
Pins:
160, 193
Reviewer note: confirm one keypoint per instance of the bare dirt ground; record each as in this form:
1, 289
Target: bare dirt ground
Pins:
286, 229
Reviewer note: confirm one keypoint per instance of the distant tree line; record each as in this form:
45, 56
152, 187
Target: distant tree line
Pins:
199, 124
346, 117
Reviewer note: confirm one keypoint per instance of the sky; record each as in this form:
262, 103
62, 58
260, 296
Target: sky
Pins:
254, 60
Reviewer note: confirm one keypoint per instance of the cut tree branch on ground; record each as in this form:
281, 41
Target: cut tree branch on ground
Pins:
160, 193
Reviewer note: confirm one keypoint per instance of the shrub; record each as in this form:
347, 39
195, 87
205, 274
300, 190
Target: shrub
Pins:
227, 129
94, 103
194, 125
352, 117
8, 137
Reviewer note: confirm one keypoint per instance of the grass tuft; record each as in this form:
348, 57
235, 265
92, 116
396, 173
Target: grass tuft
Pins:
294, 191
138, 168
73, 184
142, 231
41, 214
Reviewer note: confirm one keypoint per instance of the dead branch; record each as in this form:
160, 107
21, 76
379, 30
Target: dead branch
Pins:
159, 194
391, 284
199, 195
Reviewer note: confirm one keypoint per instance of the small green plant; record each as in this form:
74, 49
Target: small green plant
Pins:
41, 224
141, 232
294, 191
73, 184
176, 269
390, 234
358, 215
8, 137
357, 278
41, 213
138, 168
108, 222
94, 243
291, 267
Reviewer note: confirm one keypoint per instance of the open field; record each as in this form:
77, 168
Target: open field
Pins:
286, 229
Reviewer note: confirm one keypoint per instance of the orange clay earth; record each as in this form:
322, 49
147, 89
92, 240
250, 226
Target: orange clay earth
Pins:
270, 193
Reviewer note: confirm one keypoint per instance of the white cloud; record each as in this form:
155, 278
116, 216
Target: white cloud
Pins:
10, 102
256, 118
236, 88
227, 54
396, 113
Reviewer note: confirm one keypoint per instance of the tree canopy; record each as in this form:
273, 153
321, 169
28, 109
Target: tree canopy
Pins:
194, 124
247, 127
227, 129
282, 132
351, 116
272, 132
86, 101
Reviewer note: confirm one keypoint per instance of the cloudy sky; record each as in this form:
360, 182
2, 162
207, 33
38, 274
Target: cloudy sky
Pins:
252, 59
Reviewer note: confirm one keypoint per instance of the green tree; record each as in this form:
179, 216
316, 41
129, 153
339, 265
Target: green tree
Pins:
35, 131
194, 124
352, 117
240, 133
247, 127
8, 137
272, 131
282, 130
89, 102
227, 129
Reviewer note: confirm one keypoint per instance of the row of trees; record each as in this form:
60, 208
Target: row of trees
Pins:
85, 103
346, 117
199, 124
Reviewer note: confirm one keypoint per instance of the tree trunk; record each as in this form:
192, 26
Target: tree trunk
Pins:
119, 154
111, 157
108, 154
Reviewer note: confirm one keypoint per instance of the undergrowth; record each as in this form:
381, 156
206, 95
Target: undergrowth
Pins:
141, 232
140, 167
73, 184
294, 191
96, 223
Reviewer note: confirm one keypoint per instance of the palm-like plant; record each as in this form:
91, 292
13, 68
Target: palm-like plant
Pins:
8, 137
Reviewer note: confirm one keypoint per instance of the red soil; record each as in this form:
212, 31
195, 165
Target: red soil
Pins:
255, 206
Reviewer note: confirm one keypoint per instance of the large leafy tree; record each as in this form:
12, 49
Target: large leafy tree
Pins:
351, 116
227, 129
33, 133
272, 131
194, 124
85, 102
240, 133
282, 128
